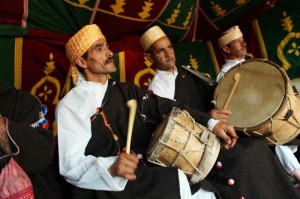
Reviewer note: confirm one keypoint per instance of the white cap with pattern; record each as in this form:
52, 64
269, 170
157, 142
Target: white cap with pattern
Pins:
229, 35
150, 36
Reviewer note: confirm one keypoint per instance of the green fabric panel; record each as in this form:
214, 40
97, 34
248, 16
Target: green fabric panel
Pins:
224, 13
281, 33
8, 30
195, 54
177, 18
7, 59
59, 16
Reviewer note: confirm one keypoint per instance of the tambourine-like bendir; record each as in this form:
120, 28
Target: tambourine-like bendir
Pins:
182, 143
264, 103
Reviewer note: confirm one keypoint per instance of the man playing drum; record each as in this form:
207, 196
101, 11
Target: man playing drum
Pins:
248, 170
92, 121
234, 49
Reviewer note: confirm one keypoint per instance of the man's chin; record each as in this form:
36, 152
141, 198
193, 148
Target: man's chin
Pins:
113, 68
170, 64
111, 65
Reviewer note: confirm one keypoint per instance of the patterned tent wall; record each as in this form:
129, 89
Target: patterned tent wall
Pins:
33, 34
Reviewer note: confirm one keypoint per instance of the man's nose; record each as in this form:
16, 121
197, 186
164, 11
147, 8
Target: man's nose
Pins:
167, 53
109, 53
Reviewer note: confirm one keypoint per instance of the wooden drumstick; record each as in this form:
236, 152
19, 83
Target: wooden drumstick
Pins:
131, 104
236, 78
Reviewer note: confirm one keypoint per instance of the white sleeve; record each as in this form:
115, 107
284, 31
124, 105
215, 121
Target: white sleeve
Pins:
212, 123
89, 172
158, 90
219, 76
287, 158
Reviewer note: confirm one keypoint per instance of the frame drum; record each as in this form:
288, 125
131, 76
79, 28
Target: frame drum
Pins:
264, 102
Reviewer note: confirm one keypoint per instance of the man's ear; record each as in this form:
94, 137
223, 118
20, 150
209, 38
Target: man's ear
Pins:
226, 50
149, 57
81, 62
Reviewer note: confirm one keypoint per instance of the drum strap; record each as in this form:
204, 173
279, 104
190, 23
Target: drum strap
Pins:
198, 74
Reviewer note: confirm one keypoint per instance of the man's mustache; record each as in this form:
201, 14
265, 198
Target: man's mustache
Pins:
170, 59
110, 59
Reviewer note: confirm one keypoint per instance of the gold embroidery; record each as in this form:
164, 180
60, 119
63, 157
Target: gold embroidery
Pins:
295, 49
49, 68
287, 24
187, 20
106, 12
45, 93
144, 72
220, 12
173, 17
193, 62
218, 9
146, 9
117, 8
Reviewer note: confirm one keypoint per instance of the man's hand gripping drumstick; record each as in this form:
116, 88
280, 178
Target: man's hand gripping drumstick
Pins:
236, 78
224, 130
126, 163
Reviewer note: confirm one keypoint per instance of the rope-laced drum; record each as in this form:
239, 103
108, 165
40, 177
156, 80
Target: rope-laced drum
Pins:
264, 102
181, 142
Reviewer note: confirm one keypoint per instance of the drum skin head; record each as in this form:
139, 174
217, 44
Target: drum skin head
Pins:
258, 95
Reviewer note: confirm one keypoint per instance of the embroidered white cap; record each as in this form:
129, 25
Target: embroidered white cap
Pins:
229, 35
150, 36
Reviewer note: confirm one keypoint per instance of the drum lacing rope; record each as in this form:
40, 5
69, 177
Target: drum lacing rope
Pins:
206, 144
297, 124
180, 152
283, 119
293, 115
268, 137
245, 131
193, 130
262, 135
